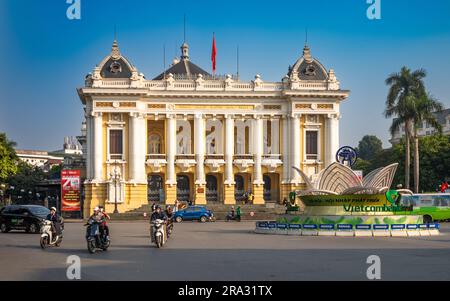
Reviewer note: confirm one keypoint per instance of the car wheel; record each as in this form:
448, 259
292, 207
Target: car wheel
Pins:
32, 229
427, 219
4, 228
179, 219
203, 219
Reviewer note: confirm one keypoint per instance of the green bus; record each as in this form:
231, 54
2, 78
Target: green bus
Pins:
432, 206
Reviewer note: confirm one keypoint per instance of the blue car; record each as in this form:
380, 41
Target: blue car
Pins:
193, 213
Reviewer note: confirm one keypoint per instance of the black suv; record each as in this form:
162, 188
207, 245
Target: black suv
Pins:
22, 217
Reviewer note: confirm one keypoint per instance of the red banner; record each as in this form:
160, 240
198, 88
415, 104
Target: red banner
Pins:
213, 55
70, 190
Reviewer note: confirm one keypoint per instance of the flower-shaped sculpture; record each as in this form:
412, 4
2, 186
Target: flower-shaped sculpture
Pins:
338, 179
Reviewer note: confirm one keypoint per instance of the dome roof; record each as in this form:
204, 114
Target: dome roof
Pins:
308, 68
183, 68
115, 65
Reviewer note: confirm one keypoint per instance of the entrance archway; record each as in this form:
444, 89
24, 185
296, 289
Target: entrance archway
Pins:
212, 194
183, 189
271, 191
239, 188
155, 191
267, 188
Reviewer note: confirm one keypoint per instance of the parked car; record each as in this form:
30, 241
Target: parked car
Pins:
22, 217
193, 213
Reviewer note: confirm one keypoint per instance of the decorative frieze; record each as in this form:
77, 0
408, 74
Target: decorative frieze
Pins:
303, 106
272, 107
127, 104
156, 106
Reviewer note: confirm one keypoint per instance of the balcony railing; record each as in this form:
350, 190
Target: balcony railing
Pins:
271, 156
243, 157
115, 156
185, 157
214, 157
218, 84
156, 157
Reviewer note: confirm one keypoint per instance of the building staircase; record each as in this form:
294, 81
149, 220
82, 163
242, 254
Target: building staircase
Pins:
267, 211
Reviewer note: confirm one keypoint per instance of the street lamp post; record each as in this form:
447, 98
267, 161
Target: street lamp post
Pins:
115, 176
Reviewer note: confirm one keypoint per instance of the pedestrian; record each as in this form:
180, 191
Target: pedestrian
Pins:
238, 212
250, 198
444, 186
190, 202
175, 207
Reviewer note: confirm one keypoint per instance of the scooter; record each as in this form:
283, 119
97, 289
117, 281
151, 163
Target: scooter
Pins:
169, 228
94, 239
159, 236
48, 238
231, 217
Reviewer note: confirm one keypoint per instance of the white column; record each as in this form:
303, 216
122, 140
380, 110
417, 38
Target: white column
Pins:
171, 136
295, 146
199, 147
258, 149
286, 157
98, 146
88, 154
137, 147
332, 139
229, 149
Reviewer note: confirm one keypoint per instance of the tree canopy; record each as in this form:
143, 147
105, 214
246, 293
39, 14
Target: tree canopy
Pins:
8, 158
434, 161
369, 146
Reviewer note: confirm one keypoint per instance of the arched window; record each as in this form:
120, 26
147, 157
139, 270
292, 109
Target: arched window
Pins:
154, 144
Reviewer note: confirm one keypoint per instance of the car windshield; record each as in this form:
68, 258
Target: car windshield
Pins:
39, 211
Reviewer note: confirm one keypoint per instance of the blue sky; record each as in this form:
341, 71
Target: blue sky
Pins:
45, 56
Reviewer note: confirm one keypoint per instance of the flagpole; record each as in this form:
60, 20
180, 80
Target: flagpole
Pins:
237, 62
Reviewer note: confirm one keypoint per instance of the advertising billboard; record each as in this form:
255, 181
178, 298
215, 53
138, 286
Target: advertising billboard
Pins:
70, 190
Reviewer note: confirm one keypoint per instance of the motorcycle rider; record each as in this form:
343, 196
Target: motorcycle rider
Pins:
158, 214
56, 221
169, 213
104, 229
98, 218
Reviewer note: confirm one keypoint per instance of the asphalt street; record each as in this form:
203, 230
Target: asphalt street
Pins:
224, 251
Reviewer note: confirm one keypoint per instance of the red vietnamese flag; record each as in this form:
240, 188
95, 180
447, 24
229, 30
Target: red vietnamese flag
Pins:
213, 54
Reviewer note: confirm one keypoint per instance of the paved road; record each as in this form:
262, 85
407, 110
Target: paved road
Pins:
225, 251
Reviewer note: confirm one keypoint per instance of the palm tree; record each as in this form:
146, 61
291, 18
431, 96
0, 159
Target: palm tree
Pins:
404, 87
425, 105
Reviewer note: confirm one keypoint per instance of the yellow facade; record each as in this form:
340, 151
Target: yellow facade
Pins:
247, 134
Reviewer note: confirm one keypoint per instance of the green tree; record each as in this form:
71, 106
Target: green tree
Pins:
8, 158
434, 161
363, 165
424, 106
25, 180
404, 87
369, 146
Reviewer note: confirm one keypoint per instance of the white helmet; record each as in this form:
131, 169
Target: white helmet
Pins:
53, 208
96, 209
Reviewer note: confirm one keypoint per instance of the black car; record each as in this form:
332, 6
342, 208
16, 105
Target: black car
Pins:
22, 217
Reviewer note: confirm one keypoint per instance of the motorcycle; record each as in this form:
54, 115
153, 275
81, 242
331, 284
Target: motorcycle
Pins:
96, 240
48, 237
159, 235
233, 217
